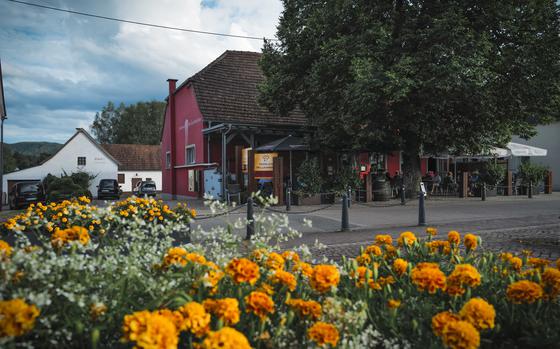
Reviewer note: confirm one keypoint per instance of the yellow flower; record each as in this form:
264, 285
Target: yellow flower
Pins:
275, 261
5, 249
400, 266
175, 256
431, 231
516, 263
454, 237
226, 309
195, 318
284, 278
243, 270
460, 335
462, 275
323, 333
393, 303
258, 254
362, 275
61, 237
259, 303
427, 276
471, 242
324, 277
373, 250
551, 282
524, 291
16, 317
225, 338
290, 256
150, 330
479, 313
383, 240
304, 268
363, 259
305, 308
440, 320
538, 263
407, 238
96, 310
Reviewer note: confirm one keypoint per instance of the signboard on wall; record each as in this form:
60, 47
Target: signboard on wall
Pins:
263, 161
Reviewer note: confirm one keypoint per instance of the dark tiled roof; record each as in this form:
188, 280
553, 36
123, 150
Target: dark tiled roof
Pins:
136, 157
226, 91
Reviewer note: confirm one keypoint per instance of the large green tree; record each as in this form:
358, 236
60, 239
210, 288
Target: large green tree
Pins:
138, 123
418, 76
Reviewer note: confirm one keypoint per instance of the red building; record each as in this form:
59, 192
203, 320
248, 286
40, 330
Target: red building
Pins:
211, 117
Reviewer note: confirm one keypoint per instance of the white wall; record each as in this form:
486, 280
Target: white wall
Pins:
128, 175
548, 137
66, 160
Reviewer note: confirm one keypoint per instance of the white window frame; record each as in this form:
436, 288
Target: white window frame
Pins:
168, 160
187, 148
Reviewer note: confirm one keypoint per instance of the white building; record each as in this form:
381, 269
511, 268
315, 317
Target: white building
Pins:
81, 153
137, 162
548, 137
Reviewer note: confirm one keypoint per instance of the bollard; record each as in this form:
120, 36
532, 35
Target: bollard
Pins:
288, 198
421, 210
403, 194
483, 192
349, 197
530, 190
345, 226
250, 220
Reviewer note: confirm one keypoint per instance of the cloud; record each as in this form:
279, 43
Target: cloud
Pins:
59, 69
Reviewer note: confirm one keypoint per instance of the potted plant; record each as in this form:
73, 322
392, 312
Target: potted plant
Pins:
531, 175
345, 177
309, 183
492, 176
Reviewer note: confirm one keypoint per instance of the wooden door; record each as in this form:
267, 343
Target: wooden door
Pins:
135, 181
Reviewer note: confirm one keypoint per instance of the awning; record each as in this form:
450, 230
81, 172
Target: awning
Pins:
517, 149
288, 143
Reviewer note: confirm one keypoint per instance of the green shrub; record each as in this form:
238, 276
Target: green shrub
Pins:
532, 173
309, 178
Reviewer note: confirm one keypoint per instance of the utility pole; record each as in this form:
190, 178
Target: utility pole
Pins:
3, 116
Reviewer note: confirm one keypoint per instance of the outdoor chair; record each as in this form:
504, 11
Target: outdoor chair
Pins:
233, 190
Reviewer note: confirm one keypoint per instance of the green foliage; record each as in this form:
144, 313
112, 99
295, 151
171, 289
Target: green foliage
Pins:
22, 155
493, 173
532, 173
67, 186
35, 148
345, 177
416, 76
138, 123
309, 178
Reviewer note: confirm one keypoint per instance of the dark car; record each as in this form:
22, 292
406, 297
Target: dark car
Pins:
108, 189
23, 194
145, 188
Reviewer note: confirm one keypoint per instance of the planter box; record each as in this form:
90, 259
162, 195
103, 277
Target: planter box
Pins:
327, 199
304, 200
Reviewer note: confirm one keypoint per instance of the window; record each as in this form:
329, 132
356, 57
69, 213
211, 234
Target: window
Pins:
193, 181
190, 154
168, 159
120, 178
81, 160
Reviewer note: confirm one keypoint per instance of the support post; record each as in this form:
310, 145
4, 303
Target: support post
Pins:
238, 169
465, 185
509, 183
278, 178
421, 209
344, 225
251, 185
548, 183
483, 192
250, 219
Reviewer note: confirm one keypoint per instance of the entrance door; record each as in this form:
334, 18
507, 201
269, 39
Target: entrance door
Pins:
135, 181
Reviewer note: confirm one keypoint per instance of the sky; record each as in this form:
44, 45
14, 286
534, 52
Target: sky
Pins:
60, 69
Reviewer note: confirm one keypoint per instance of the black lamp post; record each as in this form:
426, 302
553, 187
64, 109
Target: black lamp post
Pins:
3, 116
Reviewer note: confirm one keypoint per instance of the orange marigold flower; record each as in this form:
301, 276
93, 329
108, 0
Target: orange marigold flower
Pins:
305, 308
5, 248
150, 330
393, 303
471, 242
284, 278
362, 275
259, 303
427, 276
323, 333
538, 263
290, 256
390, 251
226, 309
364, 259
175, 256
275, 261
406, 238
259, 254
383, 239
551, 282
431, 231
196, 258
460, 335
516, 263
304, 268
462, 275
195, 318
479, 313
440, 320
61, 237
400, 266
373, 250
16, 317
524, 291
440, 246
324, 277
225, 338
454, 237
243, 270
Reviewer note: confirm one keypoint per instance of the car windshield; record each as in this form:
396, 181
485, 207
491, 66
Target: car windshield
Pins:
149, 186
107, 184
29, 188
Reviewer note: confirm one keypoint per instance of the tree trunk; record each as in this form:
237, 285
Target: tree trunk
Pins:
411, 170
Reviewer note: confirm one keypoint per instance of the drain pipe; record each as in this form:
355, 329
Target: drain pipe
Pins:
224, 162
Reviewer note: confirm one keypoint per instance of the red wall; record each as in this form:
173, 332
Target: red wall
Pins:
186, 108
393, 162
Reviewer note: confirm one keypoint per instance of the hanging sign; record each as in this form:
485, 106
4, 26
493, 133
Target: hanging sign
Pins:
263, 161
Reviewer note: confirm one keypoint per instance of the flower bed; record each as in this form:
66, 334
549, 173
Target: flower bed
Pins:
81, 276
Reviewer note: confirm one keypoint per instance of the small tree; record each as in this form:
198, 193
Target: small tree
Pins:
309, 177
493, 174
532, 173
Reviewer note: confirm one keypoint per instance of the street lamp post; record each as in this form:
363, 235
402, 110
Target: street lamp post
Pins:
3, 116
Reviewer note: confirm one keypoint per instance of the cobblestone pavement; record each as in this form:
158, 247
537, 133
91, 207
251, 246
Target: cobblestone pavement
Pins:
540, 234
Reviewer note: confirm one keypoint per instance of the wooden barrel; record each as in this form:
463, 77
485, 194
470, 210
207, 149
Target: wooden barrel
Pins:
381, 190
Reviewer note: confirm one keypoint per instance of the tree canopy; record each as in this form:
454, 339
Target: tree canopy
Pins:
418, 76
138, 123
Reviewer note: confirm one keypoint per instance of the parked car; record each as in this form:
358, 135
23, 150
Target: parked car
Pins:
145, 188
108, 189
23, 194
